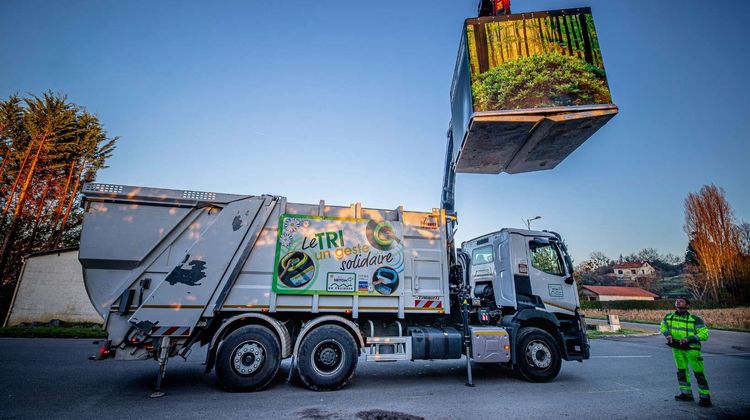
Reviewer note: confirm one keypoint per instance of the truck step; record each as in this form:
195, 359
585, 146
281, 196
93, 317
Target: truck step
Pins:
388, 349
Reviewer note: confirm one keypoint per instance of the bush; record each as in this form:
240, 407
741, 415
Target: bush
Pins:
541, 80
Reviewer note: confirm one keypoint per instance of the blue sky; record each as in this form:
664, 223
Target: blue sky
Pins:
323, 100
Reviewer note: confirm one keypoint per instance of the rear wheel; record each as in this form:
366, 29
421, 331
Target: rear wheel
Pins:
248, 359
537, 355
327, 358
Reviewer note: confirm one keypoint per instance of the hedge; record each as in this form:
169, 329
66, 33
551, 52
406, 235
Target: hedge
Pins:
645, 304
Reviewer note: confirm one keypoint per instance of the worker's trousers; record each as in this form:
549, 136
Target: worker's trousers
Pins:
692, 358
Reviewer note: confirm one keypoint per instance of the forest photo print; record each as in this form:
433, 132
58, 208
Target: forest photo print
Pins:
534, 60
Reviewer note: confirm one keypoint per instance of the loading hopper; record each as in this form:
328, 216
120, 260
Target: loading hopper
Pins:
528, 89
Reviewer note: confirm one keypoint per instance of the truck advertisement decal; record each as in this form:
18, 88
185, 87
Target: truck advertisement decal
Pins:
533, 60
337, 256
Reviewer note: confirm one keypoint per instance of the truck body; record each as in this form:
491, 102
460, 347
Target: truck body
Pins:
171, 269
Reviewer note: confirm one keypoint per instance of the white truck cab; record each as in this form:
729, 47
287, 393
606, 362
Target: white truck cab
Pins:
522, 269
522, 280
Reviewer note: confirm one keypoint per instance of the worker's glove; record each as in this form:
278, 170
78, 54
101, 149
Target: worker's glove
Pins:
677, 344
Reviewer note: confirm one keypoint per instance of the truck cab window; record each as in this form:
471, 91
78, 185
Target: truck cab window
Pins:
482, 255
544, 257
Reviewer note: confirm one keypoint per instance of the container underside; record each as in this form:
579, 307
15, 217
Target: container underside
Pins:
528, 140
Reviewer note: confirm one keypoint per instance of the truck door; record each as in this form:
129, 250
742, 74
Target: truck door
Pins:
549, 277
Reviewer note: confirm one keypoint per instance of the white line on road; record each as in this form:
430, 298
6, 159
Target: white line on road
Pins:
617, 357
725, 354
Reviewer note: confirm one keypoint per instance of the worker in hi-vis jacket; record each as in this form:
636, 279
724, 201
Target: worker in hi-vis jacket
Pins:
684, 332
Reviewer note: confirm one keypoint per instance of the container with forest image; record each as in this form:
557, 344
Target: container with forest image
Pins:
534, 60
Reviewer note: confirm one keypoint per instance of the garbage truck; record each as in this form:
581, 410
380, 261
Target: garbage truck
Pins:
257, 279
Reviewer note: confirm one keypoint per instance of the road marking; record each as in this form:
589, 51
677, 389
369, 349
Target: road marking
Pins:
725, 354
611, 391
617, 357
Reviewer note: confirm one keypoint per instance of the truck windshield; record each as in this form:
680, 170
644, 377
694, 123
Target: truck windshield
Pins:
544, 257
482, 255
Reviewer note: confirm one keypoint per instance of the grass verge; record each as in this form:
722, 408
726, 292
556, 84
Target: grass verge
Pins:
622, 332
54, 332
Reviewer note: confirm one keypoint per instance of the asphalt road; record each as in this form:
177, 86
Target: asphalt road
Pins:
631, 377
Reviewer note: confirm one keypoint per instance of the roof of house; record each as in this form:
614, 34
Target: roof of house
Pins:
630, 264
620, 291
57, 251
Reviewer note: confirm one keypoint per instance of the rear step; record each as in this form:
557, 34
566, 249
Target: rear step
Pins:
388, 349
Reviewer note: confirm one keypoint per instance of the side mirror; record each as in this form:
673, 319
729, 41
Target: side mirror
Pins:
569, 280
569, 262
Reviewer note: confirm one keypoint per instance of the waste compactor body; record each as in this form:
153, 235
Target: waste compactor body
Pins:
259, 279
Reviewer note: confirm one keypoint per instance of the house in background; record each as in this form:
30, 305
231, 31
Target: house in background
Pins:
629, 271
609, 293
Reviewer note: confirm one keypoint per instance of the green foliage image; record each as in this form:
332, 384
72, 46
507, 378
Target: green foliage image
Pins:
541, 80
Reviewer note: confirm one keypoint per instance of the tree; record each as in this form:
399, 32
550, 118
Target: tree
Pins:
647, 282
744, 234
715, 242
695, 281
599, 259
595, 269
49, 147
47, 119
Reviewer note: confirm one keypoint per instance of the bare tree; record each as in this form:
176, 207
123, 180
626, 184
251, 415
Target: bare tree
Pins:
695, 281
714, 237
599, 259
744, 232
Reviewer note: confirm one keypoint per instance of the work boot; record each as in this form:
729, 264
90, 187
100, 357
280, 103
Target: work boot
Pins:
705, 402
684, 397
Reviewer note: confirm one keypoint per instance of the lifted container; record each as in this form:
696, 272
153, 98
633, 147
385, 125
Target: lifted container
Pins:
527, 90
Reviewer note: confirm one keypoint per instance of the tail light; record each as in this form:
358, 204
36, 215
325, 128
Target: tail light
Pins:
105, 350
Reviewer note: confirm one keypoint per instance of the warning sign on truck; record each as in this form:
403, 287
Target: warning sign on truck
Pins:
335, 256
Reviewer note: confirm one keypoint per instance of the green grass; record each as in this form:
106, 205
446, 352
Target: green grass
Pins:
623, 331
54, 332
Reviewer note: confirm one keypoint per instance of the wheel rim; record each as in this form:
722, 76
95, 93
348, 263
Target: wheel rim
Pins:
248, 357
538, 354
328, 357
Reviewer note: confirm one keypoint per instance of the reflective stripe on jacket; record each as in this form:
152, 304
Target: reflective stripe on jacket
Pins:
687, 326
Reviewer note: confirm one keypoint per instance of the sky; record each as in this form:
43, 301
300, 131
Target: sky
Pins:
349, 102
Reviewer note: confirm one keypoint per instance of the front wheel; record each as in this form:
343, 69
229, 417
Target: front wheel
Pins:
248, 359
537, 355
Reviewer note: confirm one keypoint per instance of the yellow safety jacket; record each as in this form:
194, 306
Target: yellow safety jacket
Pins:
687, 326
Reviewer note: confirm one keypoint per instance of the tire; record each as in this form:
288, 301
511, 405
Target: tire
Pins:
248, 359
537, 355
327, 358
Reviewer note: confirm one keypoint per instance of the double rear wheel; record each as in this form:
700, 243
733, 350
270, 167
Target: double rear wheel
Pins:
248, 359
327, 358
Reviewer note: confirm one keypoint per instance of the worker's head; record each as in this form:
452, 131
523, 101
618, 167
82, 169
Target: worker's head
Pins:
682, 304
